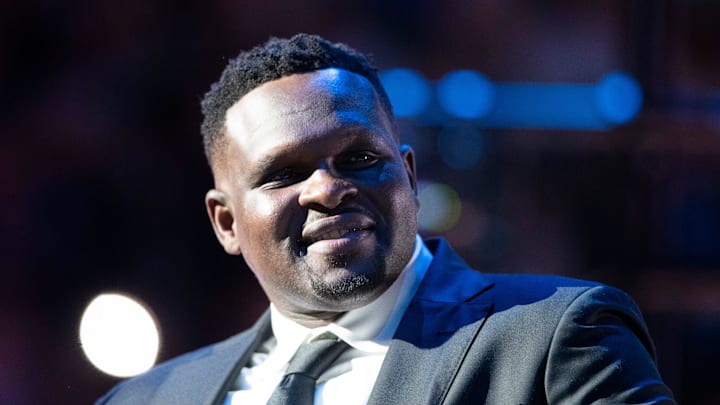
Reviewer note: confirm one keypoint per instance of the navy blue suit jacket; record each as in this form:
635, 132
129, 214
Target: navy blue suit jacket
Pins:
466, 338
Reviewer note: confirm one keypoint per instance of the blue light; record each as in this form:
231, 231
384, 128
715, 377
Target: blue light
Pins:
466, 94
544, 105
469, 95
408, 91
618, 98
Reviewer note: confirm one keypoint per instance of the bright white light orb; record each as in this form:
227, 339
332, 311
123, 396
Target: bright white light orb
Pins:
119, 336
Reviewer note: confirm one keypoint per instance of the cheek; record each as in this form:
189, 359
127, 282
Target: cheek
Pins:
265, 226
268, 215
396, 198
395, 183
265, 207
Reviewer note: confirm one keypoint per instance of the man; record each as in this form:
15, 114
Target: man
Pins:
315, 190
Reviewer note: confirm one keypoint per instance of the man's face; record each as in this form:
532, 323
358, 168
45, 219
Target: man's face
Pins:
314, 191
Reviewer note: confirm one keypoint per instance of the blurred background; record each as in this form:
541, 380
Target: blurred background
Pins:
103, 176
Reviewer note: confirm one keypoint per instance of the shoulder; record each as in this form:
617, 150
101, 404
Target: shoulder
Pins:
535, 284
556, 298
138, 389
144, 387
581, 340
555, 313
515, 295
556, 290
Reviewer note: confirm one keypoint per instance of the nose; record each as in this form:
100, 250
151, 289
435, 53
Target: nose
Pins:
325, 189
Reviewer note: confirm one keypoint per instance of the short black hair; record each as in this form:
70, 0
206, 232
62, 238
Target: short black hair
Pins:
277, 58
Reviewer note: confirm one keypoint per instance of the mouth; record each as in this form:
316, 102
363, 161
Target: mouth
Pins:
336, 234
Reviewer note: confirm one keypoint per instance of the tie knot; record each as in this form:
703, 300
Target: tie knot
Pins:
313, 357
310, 360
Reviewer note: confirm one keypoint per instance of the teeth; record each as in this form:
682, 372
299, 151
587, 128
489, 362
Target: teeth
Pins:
337, 234
340, 226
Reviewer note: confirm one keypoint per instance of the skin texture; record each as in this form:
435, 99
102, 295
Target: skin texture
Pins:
314, 190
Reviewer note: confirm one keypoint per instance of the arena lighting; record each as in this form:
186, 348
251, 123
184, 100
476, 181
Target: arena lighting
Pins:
408, 91
119, 335
541, 105
469, 96
618, 98
614, 100
440, 207
466, 94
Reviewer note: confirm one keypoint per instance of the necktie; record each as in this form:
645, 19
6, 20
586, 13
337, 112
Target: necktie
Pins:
297, 386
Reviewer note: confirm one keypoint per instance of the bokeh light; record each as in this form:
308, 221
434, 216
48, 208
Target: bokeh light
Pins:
466, 94
545, 105
618, 98
408, 91
440, 207
119, 335
460, 146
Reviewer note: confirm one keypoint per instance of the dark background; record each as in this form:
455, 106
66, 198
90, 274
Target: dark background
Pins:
102, 174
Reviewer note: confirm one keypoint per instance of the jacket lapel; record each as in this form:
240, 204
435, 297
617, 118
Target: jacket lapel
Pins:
207, 378
442, 321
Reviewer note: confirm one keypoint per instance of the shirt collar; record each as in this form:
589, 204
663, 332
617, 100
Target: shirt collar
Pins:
368, 328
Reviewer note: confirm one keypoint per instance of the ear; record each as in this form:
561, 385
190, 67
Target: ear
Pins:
223, 221
408, 157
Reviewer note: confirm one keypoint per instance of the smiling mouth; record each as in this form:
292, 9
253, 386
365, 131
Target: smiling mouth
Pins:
336, 234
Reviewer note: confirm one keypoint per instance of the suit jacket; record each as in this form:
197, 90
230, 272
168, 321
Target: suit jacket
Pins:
466, 338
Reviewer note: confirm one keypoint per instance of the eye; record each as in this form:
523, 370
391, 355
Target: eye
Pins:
282, 177
356, 161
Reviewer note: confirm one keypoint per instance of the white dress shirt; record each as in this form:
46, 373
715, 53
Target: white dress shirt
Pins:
368, 330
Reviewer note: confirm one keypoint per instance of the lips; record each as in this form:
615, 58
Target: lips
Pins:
336, 227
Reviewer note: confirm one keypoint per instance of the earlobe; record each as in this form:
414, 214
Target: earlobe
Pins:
223, 221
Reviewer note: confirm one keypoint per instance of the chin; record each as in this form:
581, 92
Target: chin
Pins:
348, 292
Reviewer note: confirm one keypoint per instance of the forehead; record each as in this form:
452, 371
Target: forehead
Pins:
303, 107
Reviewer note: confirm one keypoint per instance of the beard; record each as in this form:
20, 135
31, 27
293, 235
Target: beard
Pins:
347, 288
353, 287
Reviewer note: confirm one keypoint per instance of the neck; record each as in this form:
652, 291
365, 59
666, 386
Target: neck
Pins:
312, 320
